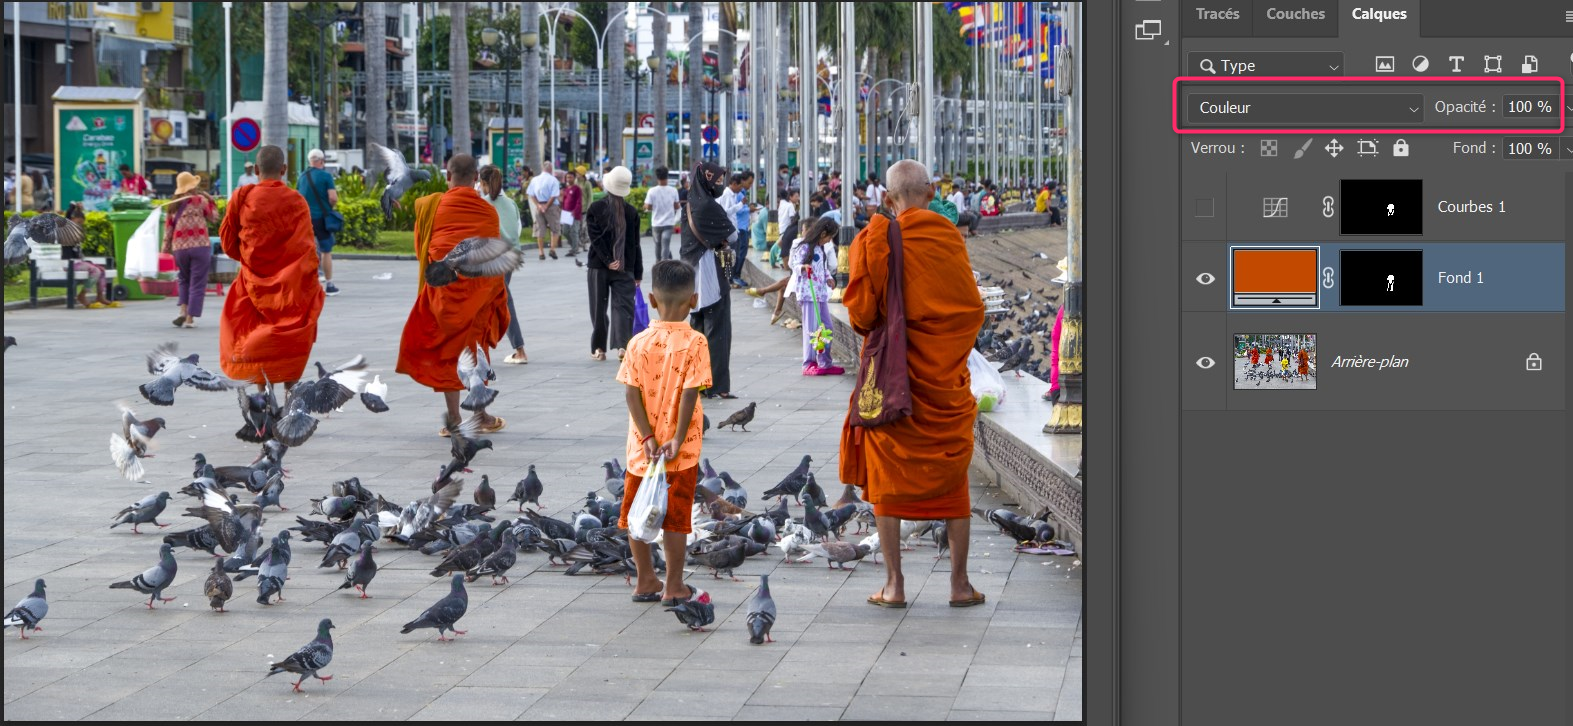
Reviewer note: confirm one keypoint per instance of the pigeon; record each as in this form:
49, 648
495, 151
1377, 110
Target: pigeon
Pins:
837, 554
740, 418
864, 510
606, 512
695, 612
1018, 358
485, 495
528, 490
334, 388
793, 484
254, 477
709, 479
914, 528
348, 542
10, 342
228, 520
419, 515
273, 569
47, 228
374, 396
218, 588
813, 493
154, 579
475, 257
719, 560
759, 529
733, 492
815, 520
261, 411
839, 517
200, 538
242, 559
361, 571
297, 424
130, 446
445, 613
778, 513
464, 446
29, 612
497, 563
311, 658
474, 373
271, 493
171, 372
143, 512
557, 548
554, 528
1010, 523
761, 613
468, 555
941, 535
398, 176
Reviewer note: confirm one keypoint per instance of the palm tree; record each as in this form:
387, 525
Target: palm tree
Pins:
726, 49
275, 74
373, 30
459, 67
696, 77
616, 61
658, 26
530, 22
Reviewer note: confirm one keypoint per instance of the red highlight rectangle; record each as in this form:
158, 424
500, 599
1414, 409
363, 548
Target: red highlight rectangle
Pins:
1174, 104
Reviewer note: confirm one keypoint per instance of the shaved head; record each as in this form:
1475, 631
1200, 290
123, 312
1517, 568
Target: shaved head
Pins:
909, 185
462, 170
270, 162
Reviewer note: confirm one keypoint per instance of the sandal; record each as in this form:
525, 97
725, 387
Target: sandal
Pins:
180, 321
553, 253
514, 359
725, 395
674, 601
598, 355
976, 599
500, 424
879, 599
647, 597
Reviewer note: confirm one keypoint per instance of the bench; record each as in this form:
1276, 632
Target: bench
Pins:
47, 269
1038, 471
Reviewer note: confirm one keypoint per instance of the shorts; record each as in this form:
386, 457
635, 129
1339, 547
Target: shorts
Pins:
679, 499
549, 222
319, 229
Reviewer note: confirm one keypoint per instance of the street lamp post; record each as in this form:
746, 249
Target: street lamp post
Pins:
655, 64
635, 71
600, 64
508, 54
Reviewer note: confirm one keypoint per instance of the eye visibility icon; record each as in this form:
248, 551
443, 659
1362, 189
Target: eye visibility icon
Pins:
1206, 278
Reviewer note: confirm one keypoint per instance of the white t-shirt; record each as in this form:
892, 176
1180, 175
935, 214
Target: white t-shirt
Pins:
662, 200
544, 188
246, 180
786, 214
876, 195
960, 200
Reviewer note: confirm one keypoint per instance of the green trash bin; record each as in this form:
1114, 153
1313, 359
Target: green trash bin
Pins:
125, 223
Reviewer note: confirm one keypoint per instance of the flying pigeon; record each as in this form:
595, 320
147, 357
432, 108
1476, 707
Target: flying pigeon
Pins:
399, 177
218, 587
740, 418
361, 571
154, 579
695, 612
29, 612
761, 613
143, 512
528, 490
334, 388
445, 613
46, 228
171, 372
464, 445
793, 484
261, 412
475, 372
475, 257
374, 396
130, 445
312, 657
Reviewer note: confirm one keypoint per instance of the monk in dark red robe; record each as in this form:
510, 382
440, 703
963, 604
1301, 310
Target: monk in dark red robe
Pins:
270, 315
916, 468
468, 314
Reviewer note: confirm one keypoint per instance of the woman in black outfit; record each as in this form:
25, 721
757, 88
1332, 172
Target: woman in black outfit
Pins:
615, 264
707, 234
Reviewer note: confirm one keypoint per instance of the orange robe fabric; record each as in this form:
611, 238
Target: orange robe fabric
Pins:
468, 313
916, 468
270, 314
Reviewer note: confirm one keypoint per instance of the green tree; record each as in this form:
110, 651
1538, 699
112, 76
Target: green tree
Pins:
581, 38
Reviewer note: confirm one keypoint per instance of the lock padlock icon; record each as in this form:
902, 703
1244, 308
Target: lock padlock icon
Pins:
1400, 148
1533, 362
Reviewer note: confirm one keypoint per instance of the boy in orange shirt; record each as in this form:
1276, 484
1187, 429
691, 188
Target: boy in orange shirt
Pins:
664, 369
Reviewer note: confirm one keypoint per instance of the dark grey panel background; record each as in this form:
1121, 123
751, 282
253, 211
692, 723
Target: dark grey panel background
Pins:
1100, 660
1378, 572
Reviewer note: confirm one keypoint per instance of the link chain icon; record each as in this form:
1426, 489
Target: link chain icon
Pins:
1327, 206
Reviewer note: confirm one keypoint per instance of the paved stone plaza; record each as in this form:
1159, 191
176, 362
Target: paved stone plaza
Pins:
548, 647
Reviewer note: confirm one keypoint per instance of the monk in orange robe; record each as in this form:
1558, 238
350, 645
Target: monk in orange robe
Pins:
468, 314
270, 315
916, 468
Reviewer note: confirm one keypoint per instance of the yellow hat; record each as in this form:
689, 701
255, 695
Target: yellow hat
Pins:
582, 168
186, 182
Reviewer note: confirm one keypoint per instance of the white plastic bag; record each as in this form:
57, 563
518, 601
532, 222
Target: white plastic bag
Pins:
142, 249
649, 508
988, 388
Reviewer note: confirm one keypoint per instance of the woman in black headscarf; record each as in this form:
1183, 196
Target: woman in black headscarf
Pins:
707, 234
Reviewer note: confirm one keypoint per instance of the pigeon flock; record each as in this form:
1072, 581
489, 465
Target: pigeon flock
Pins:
1016, 331
467, 540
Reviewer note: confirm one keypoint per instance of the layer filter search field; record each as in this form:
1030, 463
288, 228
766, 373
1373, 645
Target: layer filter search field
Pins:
1375, 105
1231, 64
